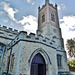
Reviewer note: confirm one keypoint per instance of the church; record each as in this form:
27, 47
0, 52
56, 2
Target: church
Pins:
42, 53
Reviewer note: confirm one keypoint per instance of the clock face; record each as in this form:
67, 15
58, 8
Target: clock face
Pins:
54, 30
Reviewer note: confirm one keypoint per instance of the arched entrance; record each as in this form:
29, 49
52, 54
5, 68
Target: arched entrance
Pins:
38, 66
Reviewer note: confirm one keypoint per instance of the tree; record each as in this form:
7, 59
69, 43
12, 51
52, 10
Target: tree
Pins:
71, 63
71, 47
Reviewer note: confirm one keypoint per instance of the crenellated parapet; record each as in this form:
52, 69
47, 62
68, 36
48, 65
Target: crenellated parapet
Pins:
9, 30
22, 36
7, 34
51, 5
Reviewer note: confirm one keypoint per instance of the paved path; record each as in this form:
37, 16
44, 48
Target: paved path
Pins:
73, 73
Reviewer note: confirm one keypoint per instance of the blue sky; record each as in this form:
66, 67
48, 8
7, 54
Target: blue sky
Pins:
23, 15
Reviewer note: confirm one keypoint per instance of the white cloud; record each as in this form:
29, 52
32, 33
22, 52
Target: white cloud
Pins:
5, 20
1, 13
11, 23
68, 27
61, 7
29, 23
28, 1
33, 3
7, 0
10, 11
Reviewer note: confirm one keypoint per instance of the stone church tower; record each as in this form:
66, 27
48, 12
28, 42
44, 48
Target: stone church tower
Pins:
48, 22
40, 54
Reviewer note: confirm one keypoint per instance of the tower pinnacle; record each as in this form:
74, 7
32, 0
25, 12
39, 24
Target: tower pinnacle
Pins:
46, 1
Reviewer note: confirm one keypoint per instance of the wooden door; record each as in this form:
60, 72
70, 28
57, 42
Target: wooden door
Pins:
34, 69
38, 66
41, 69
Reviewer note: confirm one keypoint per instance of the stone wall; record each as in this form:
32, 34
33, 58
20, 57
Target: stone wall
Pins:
25, 47
7, 34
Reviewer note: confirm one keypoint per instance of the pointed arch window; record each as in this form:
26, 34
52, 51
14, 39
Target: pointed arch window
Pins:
12, 62
2, 47
43, 17
59, 60
52, 17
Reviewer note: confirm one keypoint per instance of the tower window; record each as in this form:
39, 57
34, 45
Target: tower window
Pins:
43, 18
59, 60
52, 17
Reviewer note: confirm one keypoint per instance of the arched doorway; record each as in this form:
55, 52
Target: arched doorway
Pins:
38, 66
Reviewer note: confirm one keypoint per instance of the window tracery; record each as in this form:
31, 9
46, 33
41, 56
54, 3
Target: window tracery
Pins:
52, 17
59, 60
43, 17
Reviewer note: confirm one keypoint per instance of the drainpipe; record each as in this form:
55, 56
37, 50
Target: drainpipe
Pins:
9, 62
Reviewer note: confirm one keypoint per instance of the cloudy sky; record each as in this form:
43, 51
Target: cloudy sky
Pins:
23, 15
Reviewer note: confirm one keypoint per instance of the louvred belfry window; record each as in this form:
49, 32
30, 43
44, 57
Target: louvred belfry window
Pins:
52, 17
43, 18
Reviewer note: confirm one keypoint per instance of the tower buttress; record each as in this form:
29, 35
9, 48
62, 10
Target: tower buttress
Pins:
46, 1
38, 16
47, 7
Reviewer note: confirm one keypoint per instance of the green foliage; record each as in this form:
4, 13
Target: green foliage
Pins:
71, 47
71, 63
